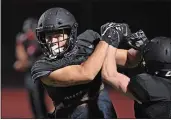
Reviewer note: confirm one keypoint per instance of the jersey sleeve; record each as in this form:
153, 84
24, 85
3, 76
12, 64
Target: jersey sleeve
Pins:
41, 68
37, 73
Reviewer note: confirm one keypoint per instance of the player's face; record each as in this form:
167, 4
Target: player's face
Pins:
57, 41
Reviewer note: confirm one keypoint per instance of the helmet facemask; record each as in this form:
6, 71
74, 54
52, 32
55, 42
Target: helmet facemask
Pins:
56, 43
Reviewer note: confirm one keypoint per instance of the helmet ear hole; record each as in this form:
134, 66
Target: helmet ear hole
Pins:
157, 42
166, 51
41, 25
59, 23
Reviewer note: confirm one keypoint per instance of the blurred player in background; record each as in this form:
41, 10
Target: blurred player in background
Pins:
27, 51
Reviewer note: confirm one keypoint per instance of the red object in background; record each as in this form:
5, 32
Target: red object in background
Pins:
15, 104
31, 50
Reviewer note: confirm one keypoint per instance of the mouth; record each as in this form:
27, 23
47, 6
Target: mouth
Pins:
56, 49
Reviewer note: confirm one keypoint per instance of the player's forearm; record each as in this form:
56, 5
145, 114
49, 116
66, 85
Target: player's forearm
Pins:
128, 58
117, 80
21, 58
122, 85
134, 57
109, 68
121, 57
21, 54
94, 63
109, 72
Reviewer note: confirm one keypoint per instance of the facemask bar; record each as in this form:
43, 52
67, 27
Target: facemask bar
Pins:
55, 41
46, 47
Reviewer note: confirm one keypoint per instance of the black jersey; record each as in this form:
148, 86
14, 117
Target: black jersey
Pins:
84, 48
155, 94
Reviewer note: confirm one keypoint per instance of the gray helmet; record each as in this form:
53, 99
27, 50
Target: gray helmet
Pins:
157, 55
56, 20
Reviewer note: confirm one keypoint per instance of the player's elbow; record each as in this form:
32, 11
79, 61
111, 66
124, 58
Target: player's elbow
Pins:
88, 76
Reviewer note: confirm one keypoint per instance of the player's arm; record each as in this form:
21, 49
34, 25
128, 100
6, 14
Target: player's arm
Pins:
110, 73
111, 76
21, 62
109, 69
21, 54
132, 57
79, 74
128, 58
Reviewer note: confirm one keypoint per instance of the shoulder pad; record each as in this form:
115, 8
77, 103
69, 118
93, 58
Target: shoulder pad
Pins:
88, 40
89, 36
149, 88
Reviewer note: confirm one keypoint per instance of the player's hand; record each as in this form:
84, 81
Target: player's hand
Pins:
124, 28
20, 66
110, 34
138, 40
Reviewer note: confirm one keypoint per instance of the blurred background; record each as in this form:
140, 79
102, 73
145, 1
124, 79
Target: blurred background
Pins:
152, 16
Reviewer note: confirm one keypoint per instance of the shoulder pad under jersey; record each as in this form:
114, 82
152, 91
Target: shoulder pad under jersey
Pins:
87, 41
149, 88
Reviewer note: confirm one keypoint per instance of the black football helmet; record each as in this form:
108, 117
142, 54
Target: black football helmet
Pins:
157, 55
56, 21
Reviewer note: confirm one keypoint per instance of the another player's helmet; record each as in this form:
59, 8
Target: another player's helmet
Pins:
29, 24
56, 21
157, 55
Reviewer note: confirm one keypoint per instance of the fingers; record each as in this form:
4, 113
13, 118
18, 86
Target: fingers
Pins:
138, 40
105, 27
